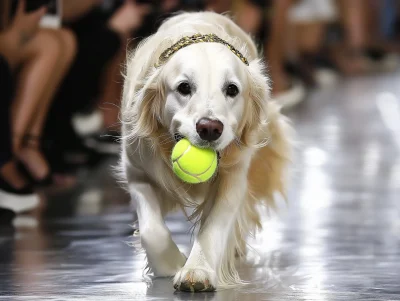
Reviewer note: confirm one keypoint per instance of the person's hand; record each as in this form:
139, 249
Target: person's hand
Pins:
24, 24
22, 28
128, 17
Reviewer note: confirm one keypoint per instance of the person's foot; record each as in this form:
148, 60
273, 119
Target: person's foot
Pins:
34, 162
325, 72
302, 69
10, 174
381, 60
351, 62
15, 194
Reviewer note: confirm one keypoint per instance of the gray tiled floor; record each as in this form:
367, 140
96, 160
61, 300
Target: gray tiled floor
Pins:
339, 238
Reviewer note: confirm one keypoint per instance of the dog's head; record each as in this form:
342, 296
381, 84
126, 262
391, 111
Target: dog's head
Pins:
205, 92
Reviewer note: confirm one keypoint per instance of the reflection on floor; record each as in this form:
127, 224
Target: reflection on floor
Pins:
339, 238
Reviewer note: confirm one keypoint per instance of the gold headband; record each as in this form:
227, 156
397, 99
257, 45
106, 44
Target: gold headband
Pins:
198, 38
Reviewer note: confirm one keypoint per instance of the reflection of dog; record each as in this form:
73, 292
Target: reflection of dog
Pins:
212, 77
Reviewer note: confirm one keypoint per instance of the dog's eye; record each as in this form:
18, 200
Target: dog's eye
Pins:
184, 89
232, 90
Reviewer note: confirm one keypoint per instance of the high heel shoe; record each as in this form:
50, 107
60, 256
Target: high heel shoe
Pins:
46, 181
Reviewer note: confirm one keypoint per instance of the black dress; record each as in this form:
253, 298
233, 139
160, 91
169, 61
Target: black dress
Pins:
6, 94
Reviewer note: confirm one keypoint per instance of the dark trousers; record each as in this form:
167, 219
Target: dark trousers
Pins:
6, 93
97, 45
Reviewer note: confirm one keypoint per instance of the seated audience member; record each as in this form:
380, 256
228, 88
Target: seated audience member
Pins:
34, 61
309, 22
45, 59
271, 19
16, 194
365, 45
102, 29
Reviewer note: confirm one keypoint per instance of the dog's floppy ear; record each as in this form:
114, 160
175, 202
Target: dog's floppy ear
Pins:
143, 91
255, 115
273, 137
149, 106
141, 118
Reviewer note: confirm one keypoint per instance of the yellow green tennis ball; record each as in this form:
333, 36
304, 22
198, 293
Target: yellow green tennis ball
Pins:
192, 164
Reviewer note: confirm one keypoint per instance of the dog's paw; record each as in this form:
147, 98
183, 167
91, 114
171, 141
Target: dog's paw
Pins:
195, 280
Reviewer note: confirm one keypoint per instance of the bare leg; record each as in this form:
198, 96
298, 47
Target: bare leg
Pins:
40, 59
111, 95
349, 57
275, 48
354, 22
46, 61
309, 36
67, 41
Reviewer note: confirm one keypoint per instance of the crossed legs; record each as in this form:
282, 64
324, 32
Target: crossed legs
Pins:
46, 59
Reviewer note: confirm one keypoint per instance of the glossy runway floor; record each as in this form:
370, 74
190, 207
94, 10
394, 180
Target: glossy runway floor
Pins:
339, 238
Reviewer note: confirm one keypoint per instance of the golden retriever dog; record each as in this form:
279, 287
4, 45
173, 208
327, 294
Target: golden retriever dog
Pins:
200, 70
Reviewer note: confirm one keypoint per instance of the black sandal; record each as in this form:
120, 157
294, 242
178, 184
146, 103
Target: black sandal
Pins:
25, 190
31, 141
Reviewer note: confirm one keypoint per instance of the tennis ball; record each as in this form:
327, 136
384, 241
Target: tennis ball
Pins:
192, 164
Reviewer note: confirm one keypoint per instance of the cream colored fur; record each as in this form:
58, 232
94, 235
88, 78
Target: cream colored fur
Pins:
254, 147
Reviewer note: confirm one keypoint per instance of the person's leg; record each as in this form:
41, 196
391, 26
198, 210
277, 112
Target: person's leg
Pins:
41, 59
349, 55
276, 45
309, 36
110, 96
354, 22
308, 43
80, 90
15, 193
8, 170
31, 153
67, 53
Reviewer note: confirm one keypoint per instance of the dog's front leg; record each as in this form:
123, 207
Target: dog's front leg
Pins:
201, 271
164, 257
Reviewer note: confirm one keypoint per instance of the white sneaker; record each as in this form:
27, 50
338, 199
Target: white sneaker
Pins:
18, 203
88, 124
389, 63
325, 77
291, 97
306, 11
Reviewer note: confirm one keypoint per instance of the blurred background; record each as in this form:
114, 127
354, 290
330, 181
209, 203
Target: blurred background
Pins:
334, 68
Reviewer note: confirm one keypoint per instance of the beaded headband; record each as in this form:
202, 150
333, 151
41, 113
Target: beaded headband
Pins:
197, 38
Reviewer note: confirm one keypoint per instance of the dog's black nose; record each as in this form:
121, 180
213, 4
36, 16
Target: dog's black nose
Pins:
209, 130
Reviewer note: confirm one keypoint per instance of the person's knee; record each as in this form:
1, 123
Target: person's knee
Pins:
44, 43
48, 45
69, 44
